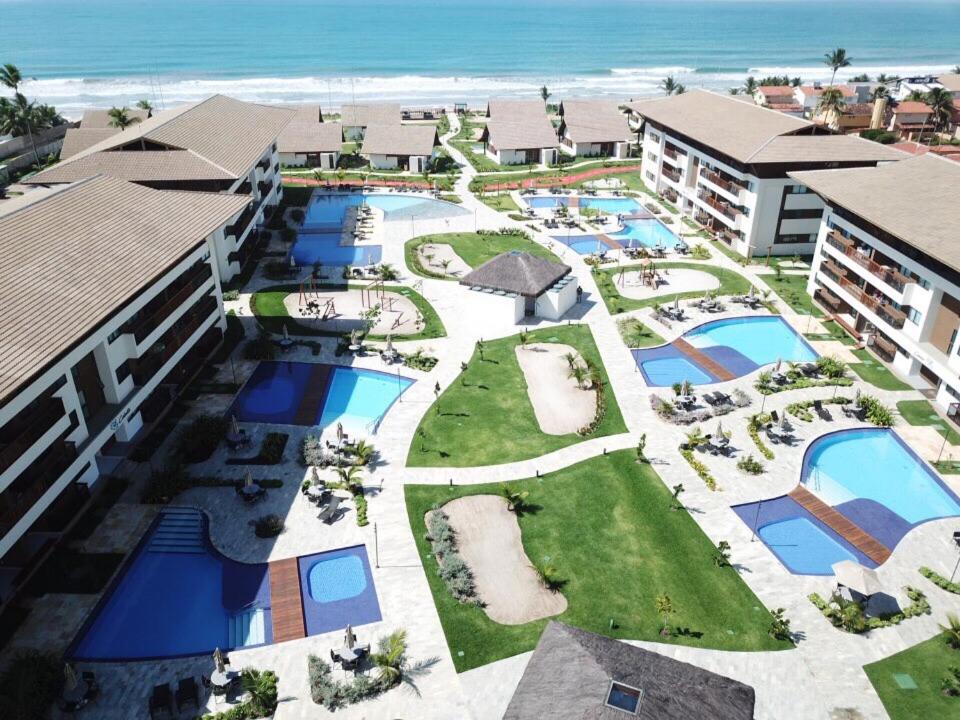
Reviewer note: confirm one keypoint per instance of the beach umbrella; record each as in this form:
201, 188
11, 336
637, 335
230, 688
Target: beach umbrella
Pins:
218, 662
286, 335
350, 640
389, 345
720, 429
234, 425
676, 302
293, 263
685, 389
783, 420
69, 677
856, 577
248, 481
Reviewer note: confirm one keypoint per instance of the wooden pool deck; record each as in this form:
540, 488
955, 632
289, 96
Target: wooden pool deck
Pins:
703, 360
312, 401
845, 528
286, 603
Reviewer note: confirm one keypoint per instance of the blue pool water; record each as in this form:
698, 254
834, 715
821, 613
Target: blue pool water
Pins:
338, 590
876, 465
664, 372
762, 340
358, 398
589, 245
645, 233
314, 246
277, 390
625, 206
803, 547
327, 210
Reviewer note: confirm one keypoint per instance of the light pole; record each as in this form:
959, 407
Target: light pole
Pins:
952, 409
956, 540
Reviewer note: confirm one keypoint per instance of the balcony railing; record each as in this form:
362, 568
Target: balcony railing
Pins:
884, 348
720, 206
264, 188
721, 182
43, 475
670, 194
243, 222
672, 174
151, 317
40, 422
264, 164
882, 308
894, 278
828, 299
671, 153
833, 271
165, 348
245, 189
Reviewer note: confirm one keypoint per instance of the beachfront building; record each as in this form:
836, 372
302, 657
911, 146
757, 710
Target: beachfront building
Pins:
594, 128
911, 119
808, 97
887, 264
217, 145
356, 118
109, 302
313, 144
923, 84
518, 285
851, 118
531, 142
725, 163
94, 128
400, 147
515, 110
781, 98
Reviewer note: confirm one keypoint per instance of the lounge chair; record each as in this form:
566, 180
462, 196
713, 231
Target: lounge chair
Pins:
329, 512
161, 701
93, 687
820, 410
187, 694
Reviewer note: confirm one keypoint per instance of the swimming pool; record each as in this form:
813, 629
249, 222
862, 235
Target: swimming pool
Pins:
316, 246
299, 393
587, 245
338, 590
803, 547
626, 206
327, 210
761, 339
667, 371
646, 233
875, 465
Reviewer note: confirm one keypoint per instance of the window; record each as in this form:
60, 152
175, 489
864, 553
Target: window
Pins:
654, 137
652, 156
123, 371
623, 697
801, 214
914, 316
795, 238
651, 177
953, 339
796, 189
114, 335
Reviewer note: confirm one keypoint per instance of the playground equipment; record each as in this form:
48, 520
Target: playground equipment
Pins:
373, 294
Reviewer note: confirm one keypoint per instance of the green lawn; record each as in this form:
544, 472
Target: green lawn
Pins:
485, 416
920, 412
631, 180
731, 283
267, 305
503, 202
792, 289
473, 248
875, 372
606, 525
927, 664
833, 332
637, 335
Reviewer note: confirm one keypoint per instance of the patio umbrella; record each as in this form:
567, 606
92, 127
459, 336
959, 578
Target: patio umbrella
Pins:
286, 335
353, 337
776, 368
676, 302
218, 662
339, 432
857, 577
293, 263
752, 290
783, 420
389, 345
350, 640
69, 677
685, 389
248, 481
720, 429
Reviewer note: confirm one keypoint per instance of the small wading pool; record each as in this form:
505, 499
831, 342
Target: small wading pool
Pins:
338, 590
338, 578
667, 371
803, 547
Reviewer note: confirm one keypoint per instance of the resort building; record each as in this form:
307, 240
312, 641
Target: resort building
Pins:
594, 128
94, 128
523, 285
725, 163
887, 263
911, 119
515, 110
310, 144
217, 145
923, 84
356, 118
531, 142
109, 302
808, 96
781, 98
574, 673
400, 147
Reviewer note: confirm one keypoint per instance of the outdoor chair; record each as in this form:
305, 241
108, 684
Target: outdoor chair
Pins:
187, 694
329, 512
161, 701
335, 656
820, 410
93, 687
810, 369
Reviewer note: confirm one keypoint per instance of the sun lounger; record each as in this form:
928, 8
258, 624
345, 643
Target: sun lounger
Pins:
329, 512
821, 410
187, 694
161, 701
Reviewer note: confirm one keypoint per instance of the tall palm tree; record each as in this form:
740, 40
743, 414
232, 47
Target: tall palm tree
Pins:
145, 105
121, 118
750, 85
831, 103
956, 70
880, 91
10, 77
836, 59
668, 85
679, 89
21, 117
544, 93
940, 101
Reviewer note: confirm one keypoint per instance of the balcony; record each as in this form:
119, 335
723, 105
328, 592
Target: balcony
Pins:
41, 476
243, 222
171, 341
730, 236
880, 307
833, 271
670, 194
264, 164
884, 348
724, 208
828, 299
721, 182
671, 174
245, 189
264, 188
159, 309
40, 421
892, 277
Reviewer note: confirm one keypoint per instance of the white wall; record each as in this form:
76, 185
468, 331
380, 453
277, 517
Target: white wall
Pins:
554, 304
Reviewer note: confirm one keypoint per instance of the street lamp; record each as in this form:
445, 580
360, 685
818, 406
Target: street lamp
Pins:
952, 409
956, 541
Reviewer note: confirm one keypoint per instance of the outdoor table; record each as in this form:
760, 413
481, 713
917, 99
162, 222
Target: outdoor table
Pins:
315, 492
250, 490
349, 655
286, 343
222, 680
686, 399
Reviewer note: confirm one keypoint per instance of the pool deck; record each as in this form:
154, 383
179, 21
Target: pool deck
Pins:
286, 601
316, 391
848, 530
703, 360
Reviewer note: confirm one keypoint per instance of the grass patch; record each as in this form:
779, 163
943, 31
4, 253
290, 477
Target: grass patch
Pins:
501, 203
606, 525
871, 370
833, 332
631, 179
927, 664
473, 248
267, 305
792, 289
731, 283
485, 416
920, 412
637, 335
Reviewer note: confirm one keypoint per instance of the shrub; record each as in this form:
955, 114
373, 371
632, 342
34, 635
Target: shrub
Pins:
271, 451
753, 426
200, 438
231, 295
311, 452
334, 694
700, 469
940, 581
164, 484
29, 686
750, 465
780, 625
420, 361
831, 367
877, 413
261, 687
950, 684
288, 235
451, 568
297, 215
849, 616
268, 526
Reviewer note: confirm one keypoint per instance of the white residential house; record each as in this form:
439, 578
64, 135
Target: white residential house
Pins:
404, 147
531, 142
911, 119
217, 145
594, 128
356, 118
808, 97
725, 162
887, 264
109, 302
314, 145
781, 98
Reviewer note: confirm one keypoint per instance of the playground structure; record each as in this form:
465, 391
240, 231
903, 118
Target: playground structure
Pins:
343, 308
648, 274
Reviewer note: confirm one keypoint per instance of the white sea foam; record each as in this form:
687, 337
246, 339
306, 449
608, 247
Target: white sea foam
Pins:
71, 95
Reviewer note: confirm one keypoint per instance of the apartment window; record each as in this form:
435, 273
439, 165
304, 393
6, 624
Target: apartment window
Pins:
796, 189
953, 339
114, 335
801, 214
650, 176
751, 186
652, 156
654, 137
795, 238
914, 316
123, 371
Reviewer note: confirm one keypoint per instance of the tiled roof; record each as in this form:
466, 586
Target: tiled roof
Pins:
532, 133
913, 107
776, 90
588, 121
100, 118
364, 115
811, 91
310, 137
824, 148
399, 140
153, 166
515, 110
79, 139
74, 256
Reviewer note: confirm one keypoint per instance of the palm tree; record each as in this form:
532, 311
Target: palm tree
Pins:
262, 688
956, 70
668, 85
880, 91
352, 478
940, 101
10, 77
363, 451
120, 118
579, 373
829, 106
951, 631
836, 59
916, 96
664, 609
544, 93
750, 85
145, 105
680, 89
392, 664
515, 500
21, 117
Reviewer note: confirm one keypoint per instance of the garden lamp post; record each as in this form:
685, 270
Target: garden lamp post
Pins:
956, 540
952, 409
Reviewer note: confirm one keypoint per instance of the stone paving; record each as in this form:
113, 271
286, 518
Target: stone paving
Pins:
821, 678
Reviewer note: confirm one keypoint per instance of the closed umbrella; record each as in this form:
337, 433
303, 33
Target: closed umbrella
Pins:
676, 303
248, 481
783, 420
353, 337
339, 432
69, 677
389, 345
350, 640
857, 577
293, 263
234, 426
685, 389
751, 291
720, 429
776, 368
218, 662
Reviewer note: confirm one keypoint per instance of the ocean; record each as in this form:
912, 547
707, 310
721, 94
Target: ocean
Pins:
112, 52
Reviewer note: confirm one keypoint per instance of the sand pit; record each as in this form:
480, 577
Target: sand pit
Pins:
488, 540
433, 255
398, 316
673, 280
560, 405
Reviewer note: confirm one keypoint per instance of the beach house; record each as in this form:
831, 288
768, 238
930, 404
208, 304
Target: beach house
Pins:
779, 97
594, 128
109, 302
400, 147
313, 144
356, 118
910, 119
530, 142
887, 264
725, 162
